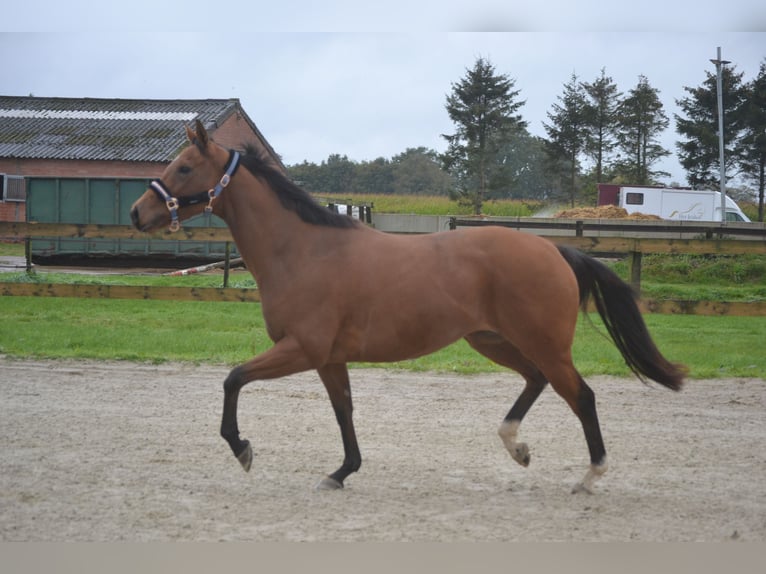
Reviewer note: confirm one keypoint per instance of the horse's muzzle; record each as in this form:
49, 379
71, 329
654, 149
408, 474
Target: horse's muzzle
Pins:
134, 217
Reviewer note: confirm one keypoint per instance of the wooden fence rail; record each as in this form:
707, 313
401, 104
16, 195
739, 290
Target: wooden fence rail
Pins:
634, 247
25, 230
602, 237
581, 227
162, 293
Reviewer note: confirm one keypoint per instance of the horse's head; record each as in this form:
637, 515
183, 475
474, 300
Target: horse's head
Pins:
188, 185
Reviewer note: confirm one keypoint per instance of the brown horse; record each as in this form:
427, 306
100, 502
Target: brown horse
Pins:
335, 291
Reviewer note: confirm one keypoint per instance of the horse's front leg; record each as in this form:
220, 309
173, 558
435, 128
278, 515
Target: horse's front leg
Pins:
284, 358
335, 379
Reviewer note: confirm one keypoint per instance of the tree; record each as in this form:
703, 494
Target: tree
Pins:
525, 160
306, 175
375, 176
753, 156
339, 174
418, 171
641, 119
415, 171
567, 133
699, 153
601, 105
484, 108
336, 175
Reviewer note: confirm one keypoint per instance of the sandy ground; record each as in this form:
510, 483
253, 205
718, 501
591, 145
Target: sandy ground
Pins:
94, 451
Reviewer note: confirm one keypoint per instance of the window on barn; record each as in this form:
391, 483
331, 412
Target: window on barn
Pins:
12, 188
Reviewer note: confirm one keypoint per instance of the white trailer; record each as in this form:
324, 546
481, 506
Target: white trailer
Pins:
677, 204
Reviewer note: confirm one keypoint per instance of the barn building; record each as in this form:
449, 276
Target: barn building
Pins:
106, 138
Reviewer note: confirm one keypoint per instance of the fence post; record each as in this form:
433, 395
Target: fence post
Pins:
226, 264
635, 269
28, 254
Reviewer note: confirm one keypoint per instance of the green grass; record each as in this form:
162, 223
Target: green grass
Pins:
238, 278
687, 277
750, 208
151, 331
13, 249
721, 270
230, 333
701, 277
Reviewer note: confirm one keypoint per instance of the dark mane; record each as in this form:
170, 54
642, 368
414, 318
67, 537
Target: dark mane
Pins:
292, 196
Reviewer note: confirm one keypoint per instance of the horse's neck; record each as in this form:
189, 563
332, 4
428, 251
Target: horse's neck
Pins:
266, 233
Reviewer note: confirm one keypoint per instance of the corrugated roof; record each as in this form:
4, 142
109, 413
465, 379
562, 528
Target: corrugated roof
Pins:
104, 129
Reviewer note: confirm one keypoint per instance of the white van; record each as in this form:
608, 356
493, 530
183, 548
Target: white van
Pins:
678, 204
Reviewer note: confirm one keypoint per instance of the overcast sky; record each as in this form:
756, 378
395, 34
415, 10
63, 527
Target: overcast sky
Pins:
367, 79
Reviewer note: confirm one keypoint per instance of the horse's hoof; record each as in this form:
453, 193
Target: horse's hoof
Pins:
245, 458
520, 453
329, 483
580, 487
595, 472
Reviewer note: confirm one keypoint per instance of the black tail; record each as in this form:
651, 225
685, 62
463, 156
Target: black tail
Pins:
616, 303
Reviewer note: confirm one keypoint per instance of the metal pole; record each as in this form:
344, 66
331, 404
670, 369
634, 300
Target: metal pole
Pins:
719, 88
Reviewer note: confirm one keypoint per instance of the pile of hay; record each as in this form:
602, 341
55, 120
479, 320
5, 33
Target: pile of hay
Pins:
602, 212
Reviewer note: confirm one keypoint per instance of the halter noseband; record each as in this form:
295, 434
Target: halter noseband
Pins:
174, 204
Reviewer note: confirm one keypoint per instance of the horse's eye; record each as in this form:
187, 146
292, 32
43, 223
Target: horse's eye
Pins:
184, 169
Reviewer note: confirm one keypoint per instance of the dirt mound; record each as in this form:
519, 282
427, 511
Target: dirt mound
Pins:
602, 212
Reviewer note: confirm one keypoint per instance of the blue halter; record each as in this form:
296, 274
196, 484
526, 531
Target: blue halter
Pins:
174, 204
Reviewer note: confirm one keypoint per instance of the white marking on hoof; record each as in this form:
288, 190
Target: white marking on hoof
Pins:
519, 450
328, 483
245, 458
594, 473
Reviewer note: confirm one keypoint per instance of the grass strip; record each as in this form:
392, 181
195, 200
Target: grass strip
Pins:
230, 333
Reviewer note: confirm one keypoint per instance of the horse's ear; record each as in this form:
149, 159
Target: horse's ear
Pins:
198, 136
190, 134
201, 133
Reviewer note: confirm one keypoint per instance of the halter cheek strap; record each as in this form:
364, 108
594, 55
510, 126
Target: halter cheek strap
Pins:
171, 202
174, 204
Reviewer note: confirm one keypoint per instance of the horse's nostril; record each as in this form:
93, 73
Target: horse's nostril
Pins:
134, 217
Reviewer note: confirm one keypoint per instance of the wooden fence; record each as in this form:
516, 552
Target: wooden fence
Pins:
716, 241
634, 238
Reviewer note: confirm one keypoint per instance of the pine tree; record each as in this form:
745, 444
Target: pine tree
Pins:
603, 99
641, 119
484, 108
753, 143
567, 134
699, 152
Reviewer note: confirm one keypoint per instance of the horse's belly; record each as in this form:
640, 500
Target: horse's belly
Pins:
400, 335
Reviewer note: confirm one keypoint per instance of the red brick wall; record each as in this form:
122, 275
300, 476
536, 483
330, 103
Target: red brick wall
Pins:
79, 168
12, 211
235, 132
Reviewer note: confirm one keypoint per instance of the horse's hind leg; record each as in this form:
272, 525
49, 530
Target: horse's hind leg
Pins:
565, 380
497, 349
335, 379
509, 429
568, 383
